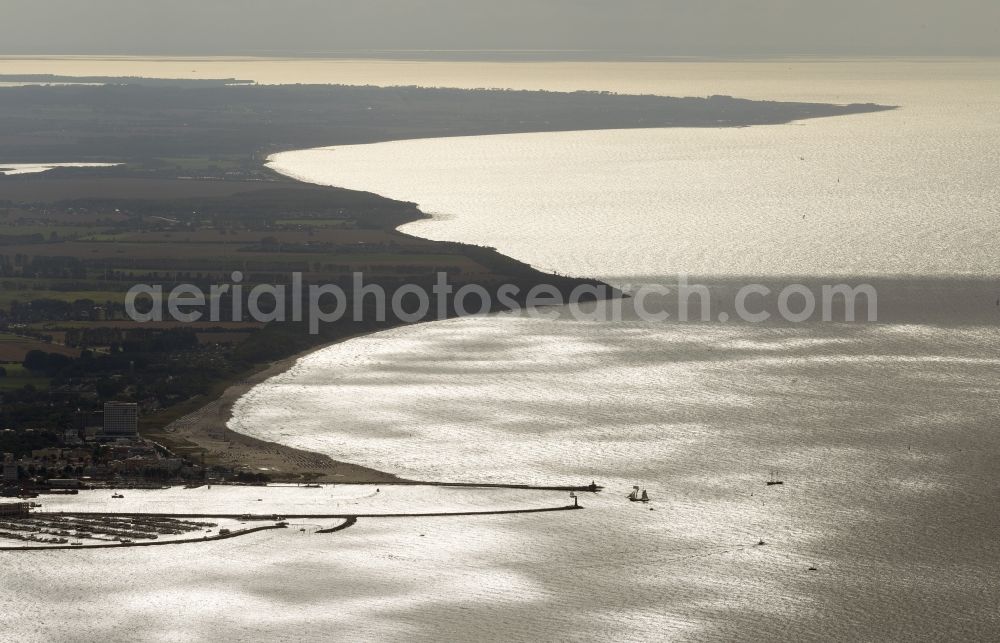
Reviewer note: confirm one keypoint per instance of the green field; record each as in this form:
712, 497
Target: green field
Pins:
62, 231
318, 223
7, 296
18, 377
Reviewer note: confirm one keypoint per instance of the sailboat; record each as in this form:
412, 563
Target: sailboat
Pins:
636, 497
773, 480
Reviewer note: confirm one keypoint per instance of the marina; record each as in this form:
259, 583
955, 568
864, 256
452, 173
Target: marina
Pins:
88, 527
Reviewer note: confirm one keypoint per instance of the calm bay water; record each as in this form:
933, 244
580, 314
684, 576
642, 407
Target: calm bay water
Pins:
885, 435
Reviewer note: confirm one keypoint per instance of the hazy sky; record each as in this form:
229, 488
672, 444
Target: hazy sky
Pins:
656, 27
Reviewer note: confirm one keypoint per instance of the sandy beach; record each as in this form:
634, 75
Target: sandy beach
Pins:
204, 431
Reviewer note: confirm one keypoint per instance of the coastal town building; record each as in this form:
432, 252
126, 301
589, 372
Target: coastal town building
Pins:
121, 419
92, 461
71, 437
14, 509
64, 483
9, 468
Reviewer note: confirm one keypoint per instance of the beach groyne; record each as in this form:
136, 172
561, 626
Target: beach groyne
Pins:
349, 522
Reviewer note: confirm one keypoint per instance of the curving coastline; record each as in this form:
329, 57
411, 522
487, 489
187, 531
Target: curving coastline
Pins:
437, 113
206, 429
177, 142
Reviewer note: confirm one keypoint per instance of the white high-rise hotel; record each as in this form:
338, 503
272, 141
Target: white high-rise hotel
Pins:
121, 418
